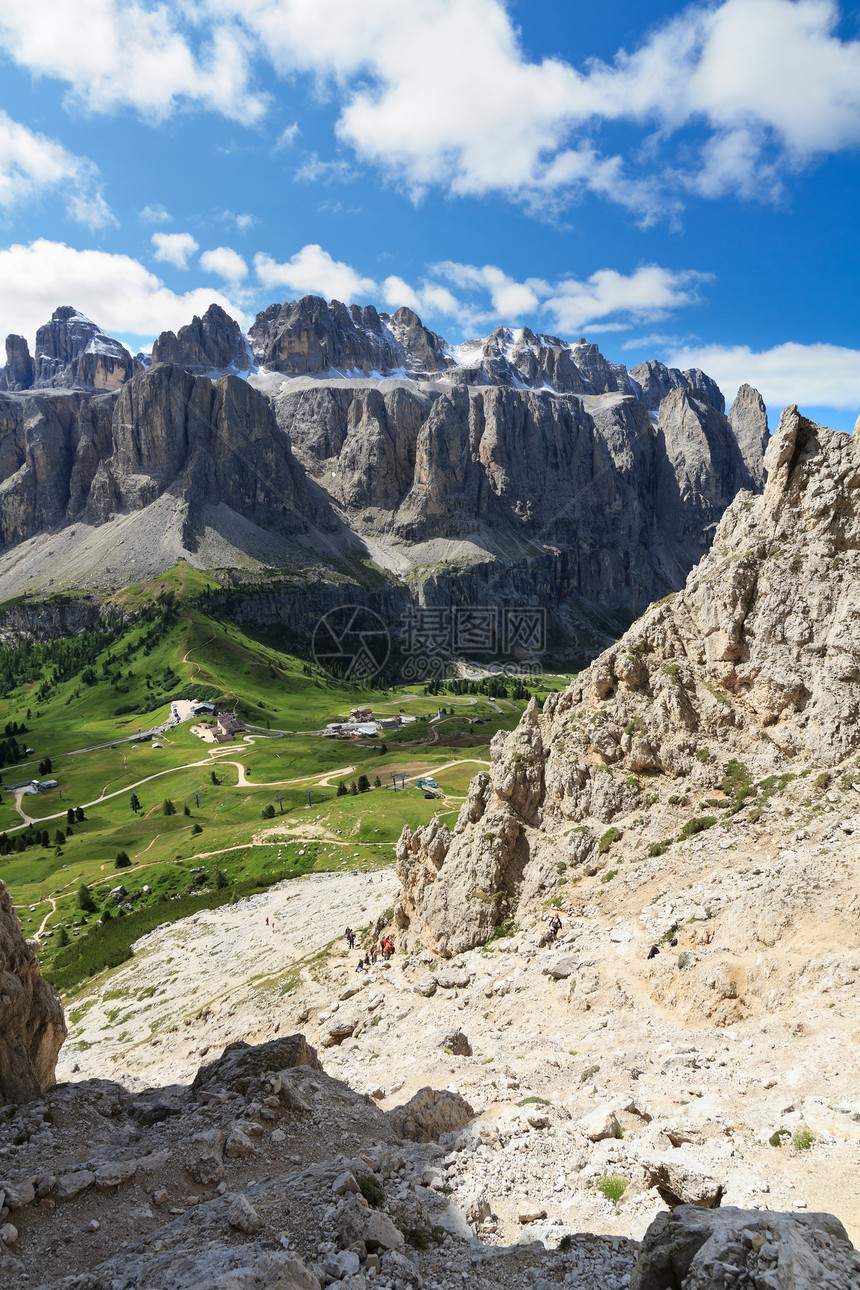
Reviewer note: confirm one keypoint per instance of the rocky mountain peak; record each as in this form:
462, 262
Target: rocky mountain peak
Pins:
208, 345
72, 351
655, 380
748, 419
19, 372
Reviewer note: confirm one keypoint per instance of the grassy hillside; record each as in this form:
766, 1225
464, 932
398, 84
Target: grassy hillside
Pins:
239, 813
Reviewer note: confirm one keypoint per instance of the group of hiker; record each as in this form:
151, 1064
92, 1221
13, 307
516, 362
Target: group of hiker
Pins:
385, 947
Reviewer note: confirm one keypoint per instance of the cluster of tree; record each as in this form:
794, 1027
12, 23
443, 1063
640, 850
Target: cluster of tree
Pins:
362, 786
11, 751
45, 766
31, 838
494, 687
52, 662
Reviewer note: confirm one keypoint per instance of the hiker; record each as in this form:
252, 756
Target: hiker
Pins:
350, 938
267, 920
390, 947
555, 925
359, 967
374, 951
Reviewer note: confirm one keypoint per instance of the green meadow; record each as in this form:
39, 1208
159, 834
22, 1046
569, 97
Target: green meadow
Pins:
208, 823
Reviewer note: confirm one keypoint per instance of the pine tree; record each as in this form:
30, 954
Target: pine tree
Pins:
135, 802
85, 899
342, 790
353, 788
167, 807
363, 784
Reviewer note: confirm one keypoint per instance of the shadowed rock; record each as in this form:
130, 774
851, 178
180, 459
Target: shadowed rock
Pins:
32, 1025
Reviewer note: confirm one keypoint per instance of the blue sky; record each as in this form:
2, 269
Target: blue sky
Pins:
685, 189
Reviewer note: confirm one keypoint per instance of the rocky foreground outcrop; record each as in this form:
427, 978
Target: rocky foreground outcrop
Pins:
268, 1172
753, 670
32, 1025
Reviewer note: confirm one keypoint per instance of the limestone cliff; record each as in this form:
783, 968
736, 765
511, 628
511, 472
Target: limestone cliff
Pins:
655, 380
72, 351
755, 663
209, 345
65, 456
19, 372
32, 1025
309, 336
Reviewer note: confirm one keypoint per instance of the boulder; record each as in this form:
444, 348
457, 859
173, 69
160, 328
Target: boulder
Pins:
240, 1062
682, 1180
452, 1040
71, 1185
243, 1217
380, 1233
429, 1114
600, 1123
693, 1249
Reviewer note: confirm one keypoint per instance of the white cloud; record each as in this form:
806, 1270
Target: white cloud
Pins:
225, 262
32, 165
814, 375
510, 299
287, 137
649, 293
770, 83
314, 170
242, 222
174, 248
116, 54
157, 214
116, 291
312, 271
418, 102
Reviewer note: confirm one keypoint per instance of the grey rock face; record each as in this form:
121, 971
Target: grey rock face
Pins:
761, 637
211, 343
310, 336
655, 380
748, 419
71, 351
19, 372
65, 456
429, 1114
692, 1248
32, 1025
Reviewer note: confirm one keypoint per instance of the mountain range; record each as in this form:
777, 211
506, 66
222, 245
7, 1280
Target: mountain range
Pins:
518, 469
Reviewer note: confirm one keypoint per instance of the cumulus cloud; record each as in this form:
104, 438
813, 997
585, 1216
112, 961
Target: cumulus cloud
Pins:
416, 102
114, 54
506, 122
648, 294
174, 248
32, 165
811, 375
116, 291
156, 214
312, 271
225, 262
